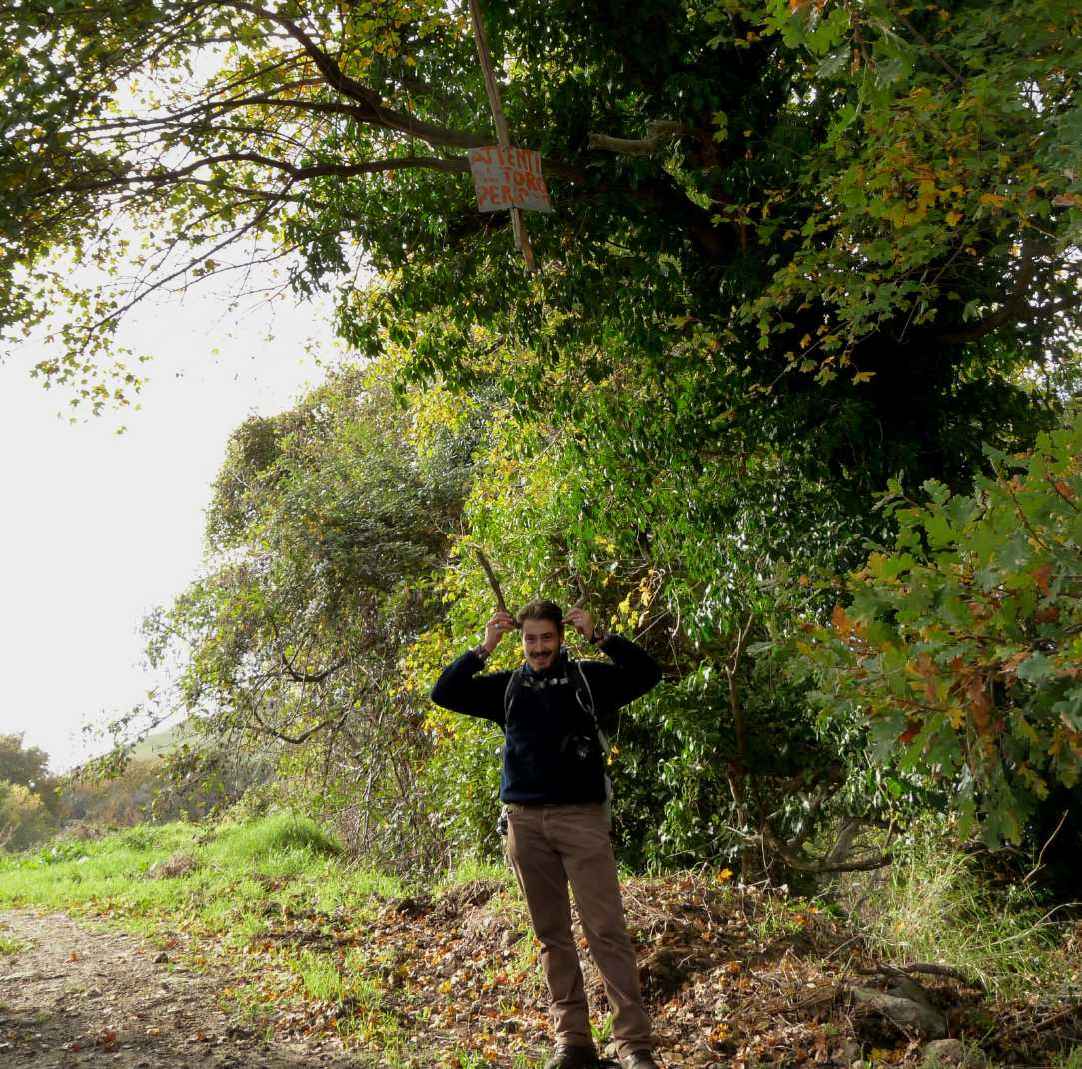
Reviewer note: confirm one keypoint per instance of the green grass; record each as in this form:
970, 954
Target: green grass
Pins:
9, 946
932, 906
1071, 1059
287, 840
471, 869
279, 858
320, 976
244, 874
86, 874
247, 875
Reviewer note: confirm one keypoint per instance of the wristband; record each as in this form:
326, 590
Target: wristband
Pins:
598, 637
482, 653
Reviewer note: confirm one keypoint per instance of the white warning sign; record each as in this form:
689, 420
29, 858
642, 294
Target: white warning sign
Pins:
509, 178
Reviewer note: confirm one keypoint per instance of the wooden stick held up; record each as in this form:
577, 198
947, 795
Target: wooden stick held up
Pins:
492, 581
583, 593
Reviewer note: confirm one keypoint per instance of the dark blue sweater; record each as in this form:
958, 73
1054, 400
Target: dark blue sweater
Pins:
551, 755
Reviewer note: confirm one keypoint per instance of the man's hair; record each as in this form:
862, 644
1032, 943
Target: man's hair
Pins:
542, 610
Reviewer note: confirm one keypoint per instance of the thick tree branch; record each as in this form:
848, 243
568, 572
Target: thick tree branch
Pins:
375, 112
492, 580
296, 174
658, 133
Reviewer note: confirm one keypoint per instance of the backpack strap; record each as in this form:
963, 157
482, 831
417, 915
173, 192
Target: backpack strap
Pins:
514, 685
585, 698
584, 695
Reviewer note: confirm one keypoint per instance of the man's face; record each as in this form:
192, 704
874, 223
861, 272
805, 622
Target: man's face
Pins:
540, 643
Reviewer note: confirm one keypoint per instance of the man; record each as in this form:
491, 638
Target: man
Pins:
552, 711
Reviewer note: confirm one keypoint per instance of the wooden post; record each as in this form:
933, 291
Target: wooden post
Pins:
503, 138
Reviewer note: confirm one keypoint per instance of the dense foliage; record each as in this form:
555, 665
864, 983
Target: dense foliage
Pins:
799, 249
325, 530
930, 151
962, 643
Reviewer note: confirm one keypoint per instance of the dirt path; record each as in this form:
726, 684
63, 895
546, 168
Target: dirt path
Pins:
75, 996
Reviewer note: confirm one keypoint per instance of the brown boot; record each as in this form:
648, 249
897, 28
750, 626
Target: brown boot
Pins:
573, 1058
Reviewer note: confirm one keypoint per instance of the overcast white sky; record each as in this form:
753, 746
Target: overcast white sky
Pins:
96, 528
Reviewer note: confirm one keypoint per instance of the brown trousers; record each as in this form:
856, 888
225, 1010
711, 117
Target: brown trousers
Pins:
550, 846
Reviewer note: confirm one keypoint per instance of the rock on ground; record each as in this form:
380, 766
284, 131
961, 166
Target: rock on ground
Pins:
941, 1053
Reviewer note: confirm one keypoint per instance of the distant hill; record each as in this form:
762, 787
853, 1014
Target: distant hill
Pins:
159, 743
144, 790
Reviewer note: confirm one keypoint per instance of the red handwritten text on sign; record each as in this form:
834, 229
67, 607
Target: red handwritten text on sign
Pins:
508, 177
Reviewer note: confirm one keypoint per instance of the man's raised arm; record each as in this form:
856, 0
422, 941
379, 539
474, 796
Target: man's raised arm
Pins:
462, 690
632, 673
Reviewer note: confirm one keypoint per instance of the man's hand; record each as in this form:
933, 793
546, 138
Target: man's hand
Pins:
582, 622
496, 628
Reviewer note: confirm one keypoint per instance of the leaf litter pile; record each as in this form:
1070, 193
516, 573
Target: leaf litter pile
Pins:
731, 975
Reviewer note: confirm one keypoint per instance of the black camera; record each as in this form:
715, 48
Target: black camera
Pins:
579, 746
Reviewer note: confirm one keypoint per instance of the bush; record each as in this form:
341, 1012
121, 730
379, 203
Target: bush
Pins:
960, 647
281, 833
24, 818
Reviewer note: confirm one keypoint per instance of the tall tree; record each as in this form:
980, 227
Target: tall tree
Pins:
326, 528
29, 804
887, 196
798, 248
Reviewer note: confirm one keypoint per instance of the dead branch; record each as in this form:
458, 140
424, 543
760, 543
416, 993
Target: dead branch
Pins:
901, 972
583, 593
1040, 857
823, 866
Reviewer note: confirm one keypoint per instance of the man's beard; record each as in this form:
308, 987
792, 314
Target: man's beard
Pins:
550, 662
